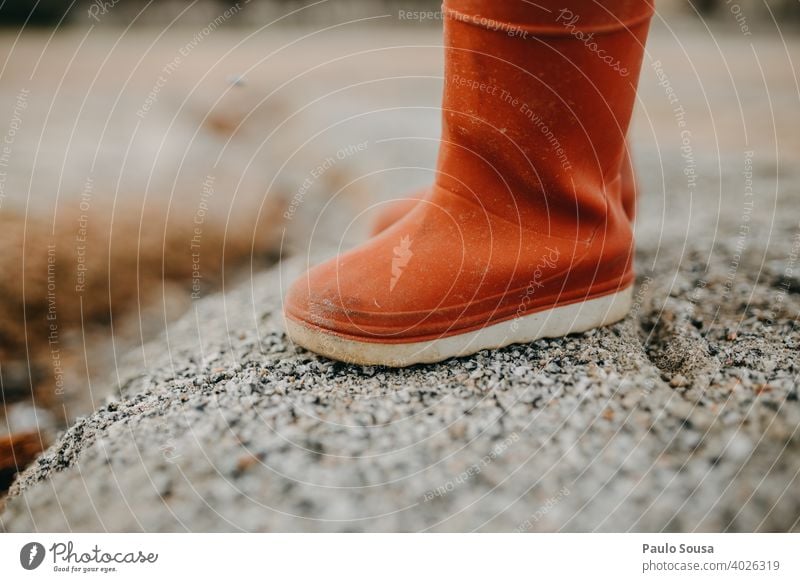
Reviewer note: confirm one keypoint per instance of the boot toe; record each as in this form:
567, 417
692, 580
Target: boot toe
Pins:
329, 298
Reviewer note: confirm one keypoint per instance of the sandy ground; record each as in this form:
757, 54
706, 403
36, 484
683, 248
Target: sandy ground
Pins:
683, 417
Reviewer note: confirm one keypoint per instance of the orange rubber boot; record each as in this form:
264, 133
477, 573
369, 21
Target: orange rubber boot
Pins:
397, 209
525, 232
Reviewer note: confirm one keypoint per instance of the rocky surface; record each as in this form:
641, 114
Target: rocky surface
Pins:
683, 417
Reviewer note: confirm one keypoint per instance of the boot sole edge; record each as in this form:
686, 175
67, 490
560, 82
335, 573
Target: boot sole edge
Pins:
548, 323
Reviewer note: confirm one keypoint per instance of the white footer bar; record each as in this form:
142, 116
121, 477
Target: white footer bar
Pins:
406, 557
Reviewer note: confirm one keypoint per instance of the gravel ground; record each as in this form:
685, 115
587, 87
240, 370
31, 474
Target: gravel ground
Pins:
683, 417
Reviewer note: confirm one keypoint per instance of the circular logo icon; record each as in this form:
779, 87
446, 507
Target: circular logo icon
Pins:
31, 555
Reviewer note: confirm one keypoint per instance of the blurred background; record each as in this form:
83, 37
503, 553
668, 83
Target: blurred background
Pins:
156, 152
49, 12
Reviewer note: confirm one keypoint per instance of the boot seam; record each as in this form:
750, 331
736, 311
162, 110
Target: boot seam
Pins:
453, 331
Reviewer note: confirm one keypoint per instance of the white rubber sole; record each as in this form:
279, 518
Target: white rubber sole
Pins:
556, 322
